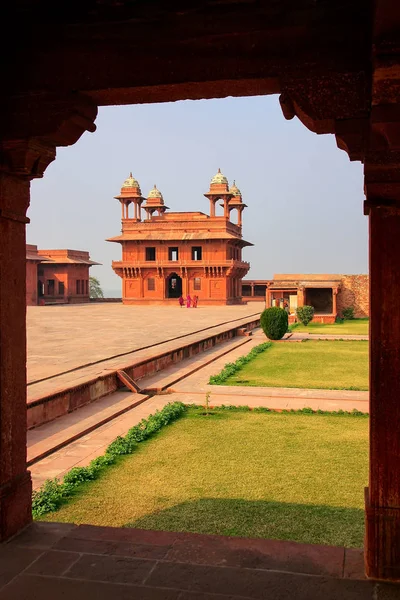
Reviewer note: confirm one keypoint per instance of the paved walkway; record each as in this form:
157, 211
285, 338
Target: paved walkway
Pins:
84, 374
68, 336
296, 337
54, 561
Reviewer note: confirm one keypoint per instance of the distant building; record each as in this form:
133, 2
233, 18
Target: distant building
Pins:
328, 294
57, 276
170, 254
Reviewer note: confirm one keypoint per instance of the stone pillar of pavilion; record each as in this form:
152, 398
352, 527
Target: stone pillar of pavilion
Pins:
236, 202
219, 190
130, 194
382, 540
334, 301
154, 202
15, 481
27, 147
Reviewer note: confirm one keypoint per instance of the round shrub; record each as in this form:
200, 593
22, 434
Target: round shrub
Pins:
305, 314
274, 322
348, 313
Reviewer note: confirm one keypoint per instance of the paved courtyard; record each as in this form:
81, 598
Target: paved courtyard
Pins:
68, 336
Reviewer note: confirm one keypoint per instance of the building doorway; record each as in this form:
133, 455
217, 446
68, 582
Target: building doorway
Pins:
321, 299
174, 286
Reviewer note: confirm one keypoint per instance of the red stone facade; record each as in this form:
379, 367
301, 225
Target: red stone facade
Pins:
354, 292
170, 255
57, 276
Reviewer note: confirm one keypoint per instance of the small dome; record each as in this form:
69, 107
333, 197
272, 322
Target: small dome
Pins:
235, 190
219, 179
130, 182
155, 193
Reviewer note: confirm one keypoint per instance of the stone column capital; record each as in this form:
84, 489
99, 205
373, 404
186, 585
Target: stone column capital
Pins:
26, 159
33, 128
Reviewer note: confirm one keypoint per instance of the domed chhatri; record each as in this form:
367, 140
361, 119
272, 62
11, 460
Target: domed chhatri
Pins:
155, 193
219, 179
234, 190
131, 182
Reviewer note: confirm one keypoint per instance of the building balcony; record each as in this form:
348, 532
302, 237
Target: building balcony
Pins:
167, 264
227, 267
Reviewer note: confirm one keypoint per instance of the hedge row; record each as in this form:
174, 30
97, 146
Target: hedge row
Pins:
264, 409
232, 368
53, 493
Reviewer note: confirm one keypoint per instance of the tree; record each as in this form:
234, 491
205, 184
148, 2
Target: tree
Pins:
95, 290
305, 314
274, 322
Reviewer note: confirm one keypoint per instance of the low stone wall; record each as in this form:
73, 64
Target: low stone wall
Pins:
105, 299
354, 292
48, 408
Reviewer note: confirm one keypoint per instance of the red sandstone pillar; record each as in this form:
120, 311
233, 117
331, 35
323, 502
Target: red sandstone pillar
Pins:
212, 207
334, 301
15, 481
382, 551
267, 298
300, 296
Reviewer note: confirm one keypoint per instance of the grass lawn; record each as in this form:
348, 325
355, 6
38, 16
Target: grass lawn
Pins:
352, 327
281, 476
310, 364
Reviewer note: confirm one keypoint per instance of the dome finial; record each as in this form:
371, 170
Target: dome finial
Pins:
130, 174
219, 170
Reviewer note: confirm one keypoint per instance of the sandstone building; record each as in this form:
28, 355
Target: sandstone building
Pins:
57, 276
169, 254
328, 294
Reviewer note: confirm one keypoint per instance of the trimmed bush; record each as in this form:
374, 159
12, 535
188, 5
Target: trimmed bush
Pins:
232, 368
348, 313
305, 314
274, 322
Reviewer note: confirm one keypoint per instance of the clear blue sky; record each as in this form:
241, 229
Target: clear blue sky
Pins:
304, 196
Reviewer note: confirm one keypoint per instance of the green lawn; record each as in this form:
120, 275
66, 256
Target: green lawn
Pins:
353, 327
281, 476
331, 365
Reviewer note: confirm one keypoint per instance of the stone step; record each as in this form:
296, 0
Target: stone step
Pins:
164, 379
52, 436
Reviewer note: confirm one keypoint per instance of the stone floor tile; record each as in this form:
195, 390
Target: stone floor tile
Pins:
202, 596
136, 536
112, 569
354, 563
259, 554
33, 587
53, 563
387, 591
257, 584
14, 560
42, 535
113, 548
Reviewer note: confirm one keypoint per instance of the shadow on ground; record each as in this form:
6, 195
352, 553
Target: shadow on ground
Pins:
310, 524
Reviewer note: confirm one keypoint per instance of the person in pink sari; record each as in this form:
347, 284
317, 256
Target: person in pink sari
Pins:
188, 301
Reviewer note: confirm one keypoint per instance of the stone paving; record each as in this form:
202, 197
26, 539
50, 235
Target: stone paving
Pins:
69, 336
54, 560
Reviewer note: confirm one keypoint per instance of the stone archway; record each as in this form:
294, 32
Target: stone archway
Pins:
244, 49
